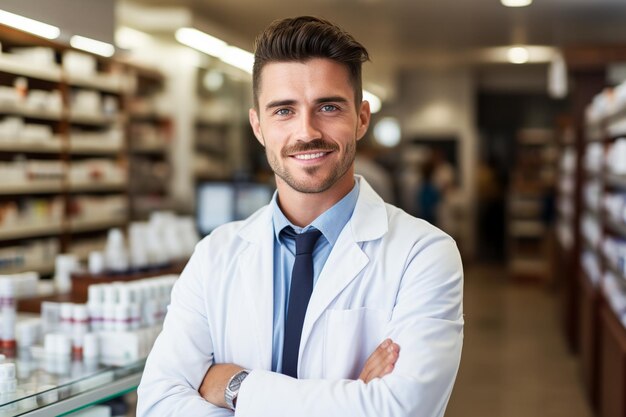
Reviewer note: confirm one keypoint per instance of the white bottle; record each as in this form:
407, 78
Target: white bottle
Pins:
80, 326
8, 313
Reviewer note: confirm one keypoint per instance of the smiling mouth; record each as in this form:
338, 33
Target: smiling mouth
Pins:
307, 156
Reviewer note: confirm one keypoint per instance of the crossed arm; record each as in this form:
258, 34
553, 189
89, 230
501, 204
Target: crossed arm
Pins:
426, 321
379, 364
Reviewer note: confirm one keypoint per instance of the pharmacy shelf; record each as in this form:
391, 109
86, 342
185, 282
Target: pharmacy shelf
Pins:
88, 225
52, 146
97, 186
17, 66
149, 150
39, 114
113, 83
31, 187
615, 180
46, 268
29, 230
618, 228
95, 148
609, 264
92, 119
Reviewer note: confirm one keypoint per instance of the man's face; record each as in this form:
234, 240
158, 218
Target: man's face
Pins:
308, 123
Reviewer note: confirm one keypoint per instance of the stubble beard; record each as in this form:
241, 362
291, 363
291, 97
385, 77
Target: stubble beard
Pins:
308, 186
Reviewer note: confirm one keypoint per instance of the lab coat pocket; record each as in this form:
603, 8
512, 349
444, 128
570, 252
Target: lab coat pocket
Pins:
350, 338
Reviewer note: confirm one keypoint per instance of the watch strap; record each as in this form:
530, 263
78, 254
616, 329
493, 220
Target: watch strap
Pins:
232, 388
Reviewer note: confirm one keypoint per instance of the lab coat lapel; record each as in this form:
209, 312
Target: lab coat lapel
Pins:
347, 259
256, 265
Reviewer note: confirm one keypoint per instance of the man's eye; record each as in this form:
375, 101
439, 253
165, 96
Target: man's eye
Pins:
283, 112
329, 108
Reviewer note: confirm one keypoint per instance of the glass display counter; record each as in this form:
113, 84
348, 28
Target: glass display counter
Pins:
53, 386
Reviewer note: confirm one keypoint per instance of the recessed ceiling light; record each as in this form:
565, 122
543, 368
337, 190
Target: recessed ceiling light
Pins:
92, 45
29, 25
516, 3
518, 55
374, 100
387, 132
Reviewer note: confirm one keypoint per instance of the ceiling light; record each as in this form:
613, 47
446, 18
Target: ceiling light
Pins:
516, 3
238, 58
92, 45
129, 38
518, 55
29, 25
387, 132
201, 41
375, 103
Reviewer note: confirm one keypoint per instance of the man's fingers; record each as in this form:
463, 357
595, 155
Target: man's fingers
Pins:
385, 363
373, 359
381, 361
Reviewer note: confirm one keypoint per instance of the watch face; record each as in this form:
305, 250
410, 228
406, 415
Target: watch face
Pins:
235, 383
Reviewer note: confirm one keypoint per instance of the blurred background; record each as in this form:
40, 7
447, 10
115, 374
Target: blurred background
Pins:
503, 122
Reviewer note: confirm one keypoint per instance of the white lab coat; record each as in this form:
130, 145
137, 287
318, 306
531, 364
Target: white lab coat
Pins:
388, 275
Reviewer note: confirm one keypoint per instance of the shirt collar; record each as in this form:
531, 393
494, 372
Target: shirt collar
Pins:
330, 223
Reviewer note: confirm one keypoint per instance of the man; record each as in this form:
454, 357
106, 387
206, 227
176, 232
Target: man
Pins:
366, 321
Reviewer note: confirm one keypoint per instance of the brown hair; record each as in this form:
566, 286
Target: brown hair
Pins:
302, 38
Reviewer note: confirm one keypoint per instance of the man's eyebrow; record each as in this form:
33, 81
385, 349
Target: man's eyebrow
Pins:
289, 102
279, 103
332, 99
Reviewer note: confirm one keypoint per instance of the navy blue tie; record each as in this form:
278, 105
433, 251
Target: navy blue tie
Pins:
299, 295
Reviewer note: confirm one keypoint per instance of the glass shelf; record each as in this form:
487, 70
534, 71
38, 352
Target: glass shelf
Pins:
57, 385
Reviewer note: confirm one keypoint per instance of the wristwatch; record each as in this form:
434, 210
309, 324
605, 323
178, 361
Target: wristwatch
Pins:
232, 388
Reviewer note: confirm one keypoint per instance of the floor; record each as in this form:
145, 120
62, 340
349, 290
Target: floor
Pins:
515, 362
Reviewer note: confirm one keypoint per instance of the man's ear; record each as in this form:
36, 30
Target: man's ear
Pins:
364, 119
253, 116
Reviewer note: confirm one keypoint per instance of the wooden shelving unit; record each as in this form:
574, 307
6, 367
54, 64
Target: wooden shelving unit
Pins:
150, 132
68, 132
603, 293
533, 182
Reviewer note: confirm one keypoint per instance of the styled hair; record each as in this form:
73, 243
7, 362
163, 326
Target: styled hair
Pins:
302, 38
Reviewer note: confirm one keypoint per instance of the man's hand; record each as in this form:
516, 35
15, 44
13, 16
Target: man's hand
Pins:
381, 362
214, 383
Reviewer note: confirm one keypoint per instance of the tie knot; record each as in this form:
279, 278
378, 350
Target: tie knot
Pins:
306, 241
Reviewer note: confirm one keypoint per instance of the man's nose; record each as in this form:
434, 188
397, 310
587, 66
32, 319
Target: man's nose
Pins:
308, 128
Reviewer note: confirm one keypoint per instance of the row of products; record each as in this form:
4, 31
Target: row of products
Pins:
615, 206
20, 97
15, 130
36, 212
148, 135
616, 157
31, 212
592, 194
87, 103
28, 255
163, 239
22, 170
609, 102
594, 158
130, 310
590, 229
73, 62
112, 138
614, 249
591, 265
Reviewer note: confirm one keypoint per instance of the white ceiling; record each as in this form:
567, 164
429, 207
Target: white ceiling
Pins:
403, 34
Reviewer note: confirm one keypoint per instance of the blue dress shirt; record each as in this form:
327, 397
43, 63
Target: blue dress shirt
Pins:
330, 223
